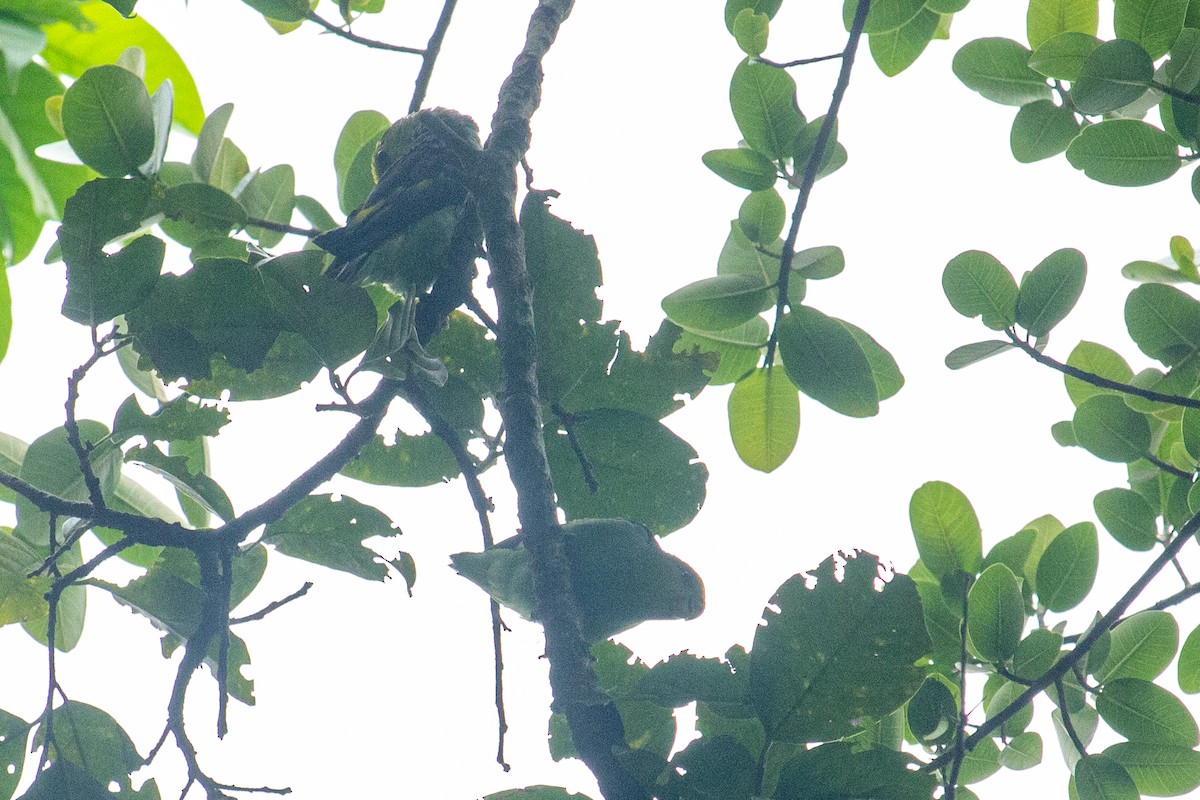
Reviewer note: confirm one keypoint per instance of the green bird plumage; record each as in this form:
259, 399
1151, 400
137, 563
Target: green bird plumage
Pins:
619, 575
419, 226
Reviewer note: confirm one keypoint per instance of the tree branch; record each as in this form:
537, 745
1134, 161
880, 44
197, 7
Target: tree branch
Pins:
1096, 380
811, 168
429, 56
595, 725
353, 37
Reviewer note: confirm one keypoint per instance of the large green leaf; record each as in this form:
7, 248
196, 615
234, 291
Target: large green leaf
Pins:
353, 155
1050, 291
838, 770
1143, 645
826, 362
811, 681
1098, 777
1048, 18
999, 70
1111, 430
73, 48
94, 743
946, 529
717, 303
1113, 75
742, 167
1124, 152
1154, 24
411, 460
1067, 569
109, 121
763, 99
1162, 771
1041, 130
1163, 322
624, 453
885, 15
764, 419
1062, 57
1189, 663
977, 285
331, 532
1147, 714
1128, 517
895, 50
995, 613
1097, 360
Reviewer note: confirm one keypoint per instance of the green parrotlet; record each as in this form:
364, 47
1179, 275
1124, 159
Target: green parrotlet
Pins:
619, 575
419, 227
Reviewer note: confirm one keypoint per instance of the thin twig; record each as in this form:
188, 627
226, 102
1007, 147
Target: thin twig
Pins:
83, 452
1065, 714
281, 227
811, 168
429, 56
272, 606
798, 62
951, 776
353, 37
568, 425
1098, 381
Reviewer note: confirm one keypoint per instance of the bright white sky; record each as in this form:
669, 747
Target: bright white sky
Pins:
364, 691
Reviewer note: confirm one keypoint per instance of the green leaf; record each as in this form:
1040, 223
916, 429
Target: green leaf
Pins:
1004, 696
1084, 721
737, 349
809, 680
751, 30
762, 216
109, 121
22, 598
981, 763
1037, 653
352, 157
1050, 291
976, 284
1154, 24
826, 362
1128, 517
332, 532
1109, 429
716, 767
1062, 57
1158, 770
204, 208
196, 485
1099, 777
93, 742
1097, 360
1189, 663
536, 793
735, 7
1147, 714
742, 167
764, 419
763, 99
1124, 152
180, 419
1067, 568
818, 263
968, 354
1023, 751
716, 304
946, 529
282, 10
420, 460
884, 369
1049, 18
1163, 322
996, 613
1041, 130
1143, 645
1152, 271
837, 770
885, 15
932, 713
626, 452
998, 69
72, 47
895, 50
209, 143
270, 196
1113, 75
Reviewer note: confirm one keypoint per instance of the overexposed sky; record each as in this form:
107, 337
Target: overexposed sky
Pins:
364, 691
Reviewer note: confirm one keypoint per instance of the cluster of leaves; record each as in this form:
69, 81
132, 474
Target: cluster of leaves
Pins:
759, 270
1087, 97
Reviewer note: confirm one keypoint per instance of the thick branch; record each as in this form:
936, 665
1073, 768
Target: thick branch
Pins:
595, 725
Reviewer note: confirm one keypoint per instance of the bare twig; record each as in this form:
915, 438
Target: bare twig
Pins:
272, 606
1067, 724
800, 61
345, 33
568, 423
281, 227
83, 452
429, 56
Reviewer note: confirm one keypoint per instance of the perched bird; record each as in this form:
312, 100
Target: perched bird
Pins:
619, 575
419, 226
